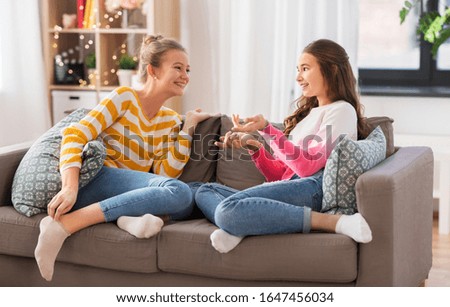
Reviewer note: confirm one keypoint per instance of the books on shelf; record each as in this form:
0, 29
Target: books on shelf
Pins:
80, 13
89, 14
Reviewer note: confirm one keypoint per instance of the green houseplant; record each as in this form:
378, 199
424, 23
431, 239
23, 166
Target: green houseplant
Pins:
127, 65
434, 26
126, 61
90, 62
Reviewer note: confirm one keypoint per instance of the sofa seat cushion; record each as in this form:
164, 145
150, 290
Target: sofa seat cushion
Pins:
104, 245
185, 248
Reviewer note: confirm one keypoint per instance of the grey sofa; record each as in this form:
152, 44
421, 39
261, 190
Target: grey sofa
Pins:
395, 197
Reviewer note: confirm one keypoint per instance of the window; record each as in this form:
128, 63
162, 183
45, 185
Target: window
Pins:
391, 54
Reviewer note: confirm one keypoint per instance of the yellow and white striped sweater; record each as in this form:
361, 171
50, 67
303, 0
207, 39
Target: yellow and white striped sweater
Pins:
132, 140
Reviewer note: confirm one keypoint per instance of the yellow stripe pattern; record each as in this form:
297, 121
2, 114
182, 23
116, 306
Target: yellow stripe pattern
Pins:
132, 140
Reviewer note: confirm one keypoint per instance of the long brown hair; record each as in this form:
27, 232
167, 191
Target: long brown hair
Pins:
341, 84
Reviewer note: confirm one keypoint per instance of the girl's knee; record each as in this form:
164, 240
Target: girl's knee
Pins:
181, 194
184, 190
203, 188
225, 217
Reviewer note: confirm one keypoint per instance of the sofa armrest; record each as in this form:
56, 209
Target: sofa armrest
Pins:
9, 161
396, 199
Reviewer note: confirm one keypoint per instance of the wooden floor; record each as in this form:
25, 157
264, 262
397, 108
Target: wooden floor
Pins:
440, 271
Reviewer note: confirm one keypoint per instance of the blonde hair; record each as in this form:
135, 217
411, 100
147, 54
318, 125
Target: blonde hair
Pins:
153, 49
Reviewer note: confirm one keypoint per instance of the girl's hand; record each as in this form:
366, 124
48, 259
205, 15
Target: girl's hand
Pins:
239, 140
62, 202
251, 124
193, 118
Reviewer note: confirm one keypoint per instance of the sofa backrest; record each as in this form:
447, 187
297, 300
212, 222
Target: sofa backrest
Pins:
231, 167
202, 163
234, 167
385, 124
8, 164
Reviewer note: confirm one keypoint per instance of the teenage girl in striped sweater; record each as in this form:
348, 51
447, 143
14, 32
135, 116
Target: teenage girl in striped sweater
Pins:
145, 149
292, 199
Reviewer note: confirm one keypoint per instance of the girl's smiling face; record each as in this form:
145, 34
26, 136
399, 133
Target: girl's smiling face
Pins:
173, 73
310, 78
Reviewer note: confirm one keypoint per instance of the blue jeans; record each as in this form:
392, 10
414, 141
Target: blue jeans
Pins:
269, 208
133, 193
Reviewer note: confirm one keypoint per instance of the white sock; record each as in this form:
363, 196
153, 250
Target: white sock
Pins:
224, 242
141, 227
51, 238
354, 226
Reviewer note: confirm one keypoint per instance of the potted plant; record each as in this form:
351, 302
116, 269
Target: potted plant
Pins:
434, 26
90, 63
127, 67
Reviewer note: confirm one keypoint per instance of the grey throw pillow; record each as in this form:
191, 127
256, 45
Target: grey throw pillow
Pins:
37, 179
348, 160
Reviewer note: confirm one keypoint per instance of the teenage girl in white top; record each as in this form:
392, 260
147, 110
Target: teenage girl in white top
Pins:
292, 200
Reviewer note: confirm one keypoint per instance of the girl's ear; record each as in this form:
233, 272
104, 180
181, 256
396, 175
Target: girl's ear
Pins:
151, 71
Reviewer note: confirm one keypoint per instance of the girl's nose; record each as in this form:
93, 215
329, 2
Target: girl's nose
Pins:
186, 76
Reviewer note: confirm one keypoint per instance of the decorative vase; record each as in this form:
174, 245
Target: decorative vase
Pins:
125, 76
124, 18
133, 18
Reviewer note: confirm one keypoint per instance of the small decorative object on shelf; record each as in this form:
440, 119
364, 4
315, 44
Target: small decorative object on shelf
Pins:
68, 69
128, 10
127, 66
69, 21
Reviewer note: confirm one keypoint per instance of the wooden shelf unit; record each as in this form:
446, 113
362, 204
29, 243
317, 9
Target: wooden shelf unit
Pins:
107, 38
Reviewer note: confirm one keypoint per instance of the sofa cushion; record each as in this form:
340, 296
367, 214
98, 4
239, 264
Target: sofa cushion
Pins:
104, 245
385, 124
236, 164
185, 247
202, 163
348, 160
37, 179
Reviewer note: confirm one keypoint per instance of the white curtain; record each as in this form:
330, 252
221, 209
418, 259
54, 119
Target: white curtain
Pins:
244, 53
23, 99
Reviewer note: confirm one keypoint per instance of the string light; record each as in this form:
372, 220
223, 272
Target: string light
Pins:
109, 20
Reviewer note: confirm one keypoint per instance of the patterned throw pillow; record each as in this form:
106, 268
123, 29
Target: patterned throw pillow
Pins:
37, 179
348, 160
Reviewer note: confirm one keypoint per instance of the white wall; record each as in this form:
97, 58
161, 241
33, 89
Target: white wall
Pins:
24, 113
412, 115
